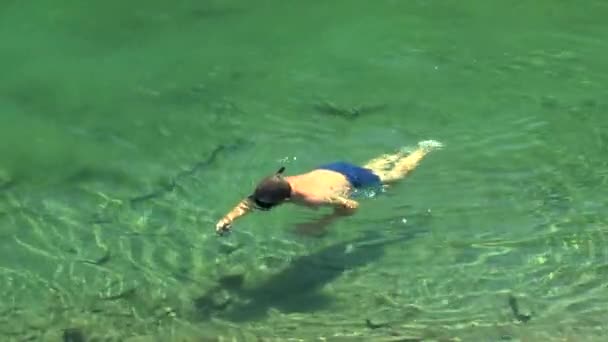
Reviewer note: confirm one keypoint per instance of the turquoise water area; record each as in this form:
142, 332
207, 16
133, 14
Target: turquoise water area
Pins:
128, 128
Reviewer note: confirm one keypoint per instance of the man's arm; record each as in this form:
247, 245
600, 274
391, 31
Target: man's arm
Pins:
242, 208
343, 204
342, 207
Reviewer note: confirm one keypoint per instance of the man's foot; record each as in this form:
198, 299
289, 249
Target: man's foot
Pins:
430, 145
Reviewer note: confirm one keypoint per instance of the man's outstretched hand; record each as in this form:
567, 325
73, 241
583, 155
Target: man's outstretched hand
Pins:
223, 226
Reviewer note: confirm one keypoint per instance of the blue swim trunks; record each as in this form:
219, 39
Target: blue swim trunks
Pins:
359, 177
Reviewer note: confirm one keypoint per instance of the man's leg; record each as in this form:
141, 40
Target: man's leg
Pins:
408, 163
380, 164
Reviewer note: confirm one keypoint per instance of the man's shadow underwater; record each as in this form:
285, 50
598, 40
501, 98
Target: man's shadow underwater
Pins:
296, 288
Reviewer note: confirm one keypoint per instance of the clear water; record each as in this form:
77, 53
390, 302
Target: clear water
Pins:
128, 128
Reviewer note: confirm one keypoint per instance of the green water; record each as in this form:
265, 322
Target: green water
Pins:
129, 128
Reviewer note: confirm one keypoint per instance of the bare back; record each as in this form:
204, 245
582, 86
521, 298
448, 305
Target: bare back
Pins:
314, 187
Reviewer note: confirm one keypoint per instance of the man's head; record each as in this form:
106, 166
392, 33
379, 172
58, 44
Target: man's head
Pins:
271, 191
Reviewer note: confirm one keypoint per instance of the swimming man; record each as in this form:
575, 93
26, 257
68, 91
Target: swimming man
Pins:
328, 185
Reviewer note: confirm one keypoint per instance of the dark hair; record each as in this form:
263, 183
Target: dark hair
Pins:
271, 191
